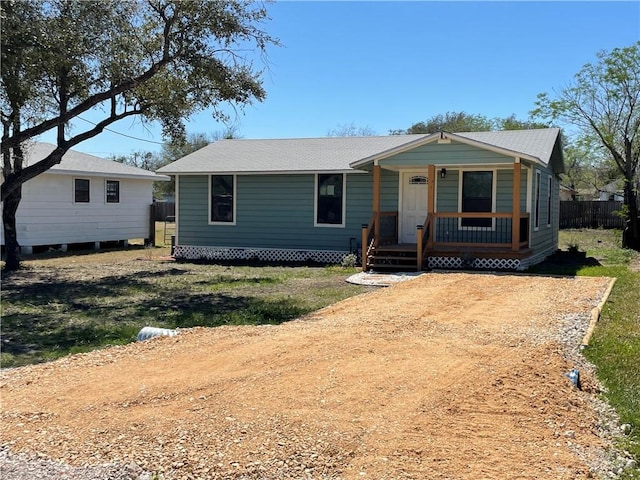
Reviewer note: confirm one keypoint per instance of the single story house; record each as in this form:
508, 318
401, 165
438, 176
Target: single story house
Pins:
84, 199
444, 200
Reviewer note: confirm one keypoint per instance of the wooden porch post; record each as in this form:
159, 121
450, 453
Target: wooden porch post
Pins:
376, 202
515, 216
431, 201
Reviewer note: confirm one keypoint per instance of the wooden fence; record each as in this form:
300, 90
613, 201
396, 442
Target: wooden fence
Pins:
162, 210
590, 215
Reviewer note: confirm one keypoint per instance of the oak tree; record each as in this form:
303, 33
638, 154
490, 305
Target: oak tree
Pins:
154, 60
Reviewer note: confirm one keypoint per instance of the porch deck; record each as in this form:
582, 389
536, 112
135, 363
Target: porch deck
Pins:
404, 257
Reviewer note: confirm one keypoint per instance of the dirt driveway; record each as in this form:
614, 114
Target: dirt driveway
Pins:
455, 375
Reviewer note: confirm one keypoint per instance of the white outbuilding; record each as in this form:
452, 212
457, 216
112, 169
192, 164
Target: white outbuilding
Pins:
84, 199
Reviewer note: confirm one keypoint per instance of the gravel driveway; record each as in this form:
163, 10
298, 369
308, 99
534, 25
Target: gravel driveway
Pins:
444, 376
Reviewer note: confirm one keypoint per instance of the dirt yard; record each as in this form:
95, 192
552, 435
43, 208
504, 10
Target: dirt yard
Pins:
448, 376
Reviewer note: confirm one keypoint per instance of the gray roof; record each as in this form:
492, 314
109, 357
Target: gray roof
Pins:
336, 154
78, 163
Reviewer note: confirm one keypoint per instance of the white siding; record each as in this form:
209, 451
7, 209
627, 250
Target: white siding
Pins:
47, 214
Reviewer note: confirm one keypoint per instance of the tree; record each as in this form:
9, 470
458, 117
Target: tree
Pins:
449, 122
157, 60
603, 105
351, 130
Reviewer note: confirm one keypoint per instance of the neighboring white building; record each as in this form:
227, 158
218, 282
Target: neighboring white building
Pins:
83, 199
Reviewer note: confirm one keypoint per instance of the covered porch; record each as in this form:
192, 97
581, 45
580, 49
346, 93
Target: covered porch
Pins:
460, 239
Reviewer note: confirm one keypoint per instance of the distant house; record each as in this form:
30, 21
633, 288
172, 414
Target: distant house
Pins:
567, 193
84, 199
612, 191
463, 200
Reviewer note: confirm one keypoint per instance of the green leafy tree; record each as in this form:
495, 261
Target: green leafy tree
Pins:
156, 60
449, 122
602, 105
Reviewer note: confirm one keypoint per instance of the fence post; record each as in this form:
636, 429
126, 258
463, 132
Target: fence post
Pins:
151, 241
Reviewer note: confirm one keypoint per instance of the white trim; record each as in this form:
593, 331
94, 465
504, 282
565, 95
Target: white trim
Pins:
344, 201
494, 191
73, 191
235, 196
176, 194
270, 172
549, 200
536, 201
442, 136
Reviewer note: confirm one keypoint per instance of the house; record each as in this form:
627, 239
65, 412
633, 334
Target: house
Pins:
567, 194
612, 191
444, 200
83, 199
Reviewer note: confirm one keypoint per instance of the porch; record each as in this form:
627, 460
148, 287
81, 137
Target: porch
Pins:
446, 240
468, 239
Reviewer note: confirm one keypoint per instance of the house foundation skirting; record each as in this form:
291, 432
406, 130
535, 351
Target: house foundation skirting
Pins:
192, 252
476, 263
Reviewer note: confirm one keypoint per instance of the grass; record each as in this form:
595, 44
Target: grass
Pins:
75, 302
69, 303
615, 345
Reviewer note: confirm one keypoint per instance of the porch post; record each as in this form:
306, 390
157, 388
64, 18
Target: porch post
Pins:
431, 202
376, 202
515, 215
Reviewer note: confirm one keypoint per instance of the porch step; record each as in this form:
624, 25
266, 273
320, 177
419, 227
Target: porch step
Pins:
394, 258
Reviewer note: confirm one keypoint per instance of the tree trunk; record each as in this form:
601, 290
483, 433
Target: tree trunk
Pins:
631, 234
12, 248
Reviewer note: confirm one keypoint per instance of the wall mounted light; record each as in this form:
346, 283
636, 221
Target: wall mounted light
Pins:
443, 173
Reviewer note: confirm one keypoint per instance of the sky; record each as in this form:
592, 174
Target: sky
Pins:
387, 65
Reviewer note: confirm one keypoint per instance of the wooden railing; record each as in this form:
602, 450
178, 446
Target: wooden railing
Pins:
382, 229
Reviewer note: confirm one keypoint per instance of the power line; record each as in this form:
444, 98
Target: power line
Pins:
122, 134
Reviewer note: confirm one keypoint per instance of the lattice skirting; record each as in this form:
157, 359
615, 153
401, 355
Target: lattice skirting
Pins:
475, 263
189, 252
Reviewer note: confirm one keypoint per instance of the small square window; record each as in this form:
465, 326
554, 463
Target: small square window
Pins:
81, 190
113, 191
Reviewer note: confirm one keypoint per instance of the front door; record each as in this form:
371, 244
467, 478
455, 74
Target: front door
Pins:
413, 204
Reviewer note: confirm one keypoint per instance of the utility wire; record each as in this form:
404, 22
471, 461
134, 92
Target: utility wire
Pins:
122, 134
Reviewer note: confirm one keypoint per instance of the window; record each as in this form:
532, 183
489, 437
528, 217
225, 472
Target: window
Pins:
81, 190
222, 199
549, 202
536, 220
330, 199
477, 196
418, 180
112, 189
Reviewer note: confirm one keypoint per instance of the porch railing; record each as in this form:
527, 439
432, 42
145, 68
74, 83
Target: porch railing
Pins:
463, 229
382, 229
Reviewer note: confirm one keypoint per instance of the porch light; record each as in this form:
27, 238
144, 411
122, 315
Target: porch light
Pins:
443, 173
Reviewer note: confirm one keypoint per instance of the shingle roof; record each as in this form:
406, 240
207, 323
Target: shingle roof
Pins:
285, 155
74, 162
342, 153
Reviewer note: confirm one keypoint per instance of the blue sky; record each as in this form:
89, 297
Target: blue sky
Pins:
388, 65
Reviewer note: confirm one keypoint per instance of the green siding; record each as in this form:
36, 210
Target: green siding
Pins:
545, 238
447, 153
272, 211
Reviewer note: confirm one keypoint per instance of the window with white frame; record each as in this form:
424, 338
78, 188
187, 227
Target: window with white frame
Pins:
81, 190
112, 190
536, 220
329, 199
549, 184
222, 199
477, 196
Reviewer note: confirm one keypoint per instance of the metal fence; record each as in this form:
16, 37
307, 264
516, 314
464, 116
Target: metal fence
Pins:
591, 215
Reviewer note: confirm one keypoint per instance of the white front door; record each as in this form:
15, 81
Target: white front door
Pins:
413, 204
